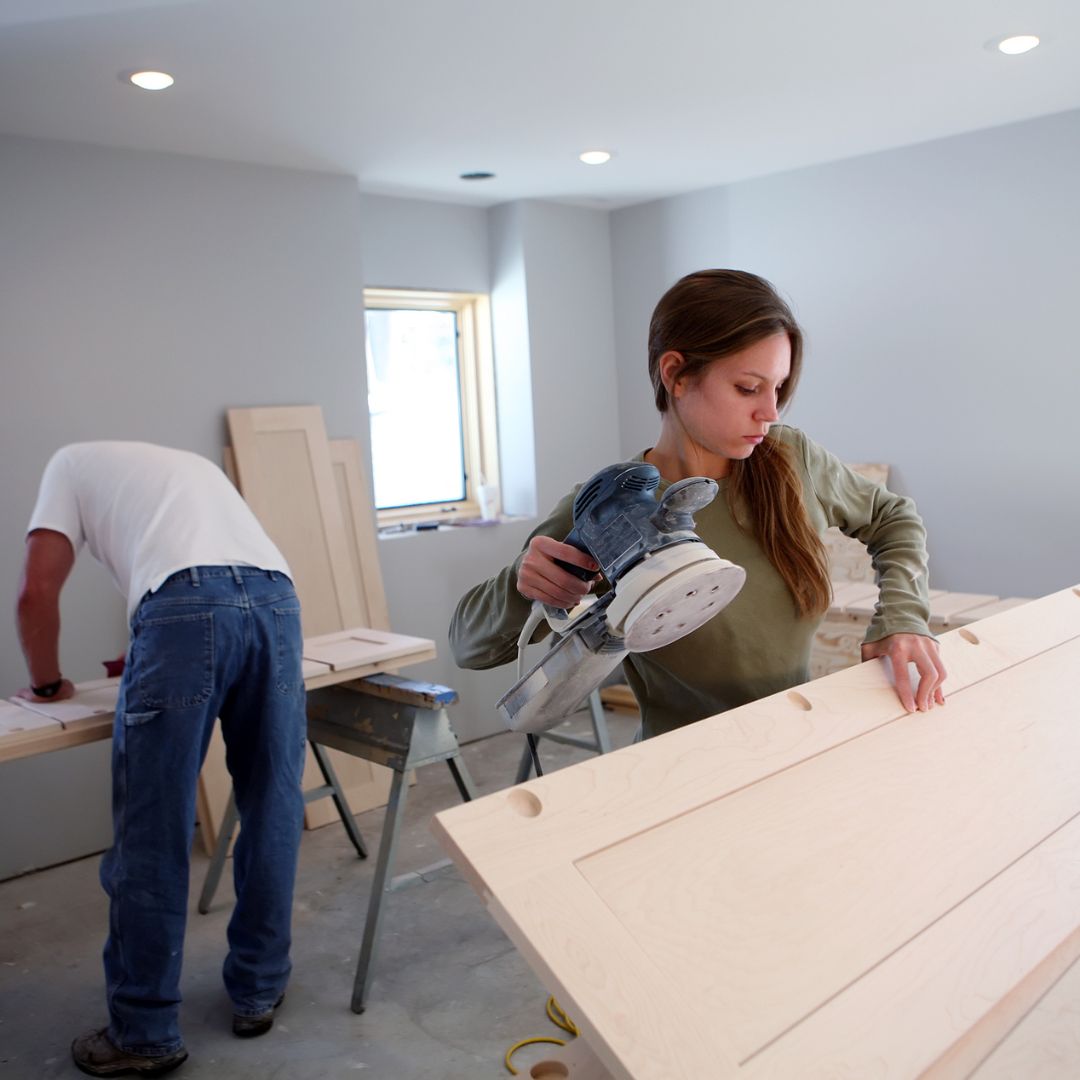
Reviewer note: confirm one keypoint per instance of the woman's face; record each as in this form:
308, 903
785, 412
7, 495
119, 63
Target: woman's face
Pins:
728, 408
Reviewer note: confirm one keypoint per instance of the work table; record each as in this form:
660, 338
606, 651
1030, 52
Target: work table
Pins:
329, 659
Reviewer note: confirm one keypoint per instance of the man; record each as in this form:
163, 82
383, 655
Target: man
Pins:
215, 631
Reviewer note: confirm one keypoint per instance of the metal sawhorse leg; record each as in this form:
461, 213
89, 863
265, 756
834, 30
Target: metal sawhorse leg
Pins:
601, 744
396, 722
400, 724
229, 819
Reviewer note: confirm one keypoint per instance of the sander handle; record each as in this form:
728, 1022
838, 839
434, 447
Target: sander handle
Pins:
573, 538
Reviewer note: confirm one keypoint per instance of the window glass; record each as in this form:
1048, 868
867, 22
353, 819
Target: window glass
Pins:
417, 448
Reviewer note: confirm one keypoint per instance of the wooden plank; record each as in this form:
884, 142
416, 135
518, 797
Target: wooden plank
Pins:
38, 728
995, 608
360, 647
851, 593
837, 644
1046, 1044
945, 609
358, 514
283, 469
90, 701
863, 607
814, 885
620, 698
21, 730
333, 678
46, 740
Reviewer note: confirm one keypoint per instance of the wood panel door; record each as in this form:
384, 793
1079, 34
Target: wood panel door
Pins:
817, 884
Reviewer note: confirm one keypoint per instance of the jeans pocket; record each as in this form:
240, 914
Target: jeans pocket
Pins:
174, 661
137, 719
288, 650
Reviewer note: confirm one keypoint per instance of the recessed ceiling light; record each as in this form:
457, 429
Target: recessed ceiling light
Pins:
595, 157
1017, 44
151, 80
477, 176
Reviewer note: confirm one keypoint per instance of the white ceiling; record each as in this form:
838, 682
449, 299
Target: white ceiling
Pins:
407, 95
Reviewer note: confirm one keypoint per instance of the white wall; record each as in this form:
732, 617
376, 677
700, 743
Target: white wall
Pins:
141, 294
937, 286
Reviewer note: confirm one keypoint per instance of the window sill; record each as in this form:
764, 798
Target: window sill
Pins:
390, 532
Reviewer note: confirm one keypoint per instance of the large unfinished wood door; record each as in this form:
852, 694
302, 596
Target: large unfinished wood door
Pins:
817, 884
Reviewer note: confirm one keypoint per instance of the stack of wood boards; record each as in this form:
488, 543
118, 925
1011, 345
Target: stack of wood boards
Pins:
816, 884
311, 495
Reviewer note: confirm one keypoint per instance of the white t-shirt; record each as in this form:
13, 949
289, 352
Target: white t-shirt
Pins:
146, 511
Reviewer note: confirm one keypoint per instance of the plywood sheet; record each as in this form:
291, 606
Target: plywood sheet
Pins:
814, 885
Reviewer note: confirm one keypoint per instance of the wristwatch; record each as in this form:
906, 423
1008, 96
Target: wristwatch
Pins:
48, 690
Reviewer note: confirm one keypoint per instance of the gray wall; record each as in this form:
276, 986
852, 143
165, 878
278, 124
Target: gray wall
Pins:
936, 285
140, 295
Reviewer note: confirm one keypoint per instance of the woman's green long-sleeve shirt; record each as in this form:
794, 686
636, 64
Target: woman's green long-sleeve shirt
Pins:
757, 645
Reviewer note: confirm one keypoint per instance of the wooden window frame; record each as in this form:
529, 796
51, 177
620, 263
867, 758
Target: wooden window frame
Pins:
476, 391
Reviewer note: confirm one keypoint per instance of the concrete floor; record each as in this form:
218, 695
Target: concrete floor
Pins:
450, 993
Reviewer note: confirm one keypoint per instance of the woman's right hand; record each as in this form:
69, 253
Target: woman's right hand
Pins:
540, 578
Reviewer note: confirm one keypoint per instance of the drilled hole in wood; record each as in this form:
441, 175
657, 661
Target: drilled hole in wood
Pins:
525, 803
549, 1070
967, 635
798, 699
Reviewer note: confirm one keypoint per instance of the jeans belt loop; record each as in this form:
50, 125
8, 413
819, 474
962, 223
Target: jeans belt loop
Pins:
236, 575
194, 572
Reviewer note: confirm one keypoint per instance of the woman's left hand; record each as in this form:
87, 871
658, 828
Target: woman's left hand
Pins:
904, 649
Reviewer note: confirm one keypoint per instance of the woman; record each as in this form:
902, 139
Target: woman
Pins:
725, 354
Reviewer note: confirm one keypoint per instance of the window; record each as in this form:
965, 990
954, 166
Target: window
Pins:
431, 400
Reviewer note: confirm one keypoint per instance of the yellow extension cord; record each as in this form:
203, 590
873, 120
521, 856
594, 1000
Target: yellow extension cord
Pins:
559, 1018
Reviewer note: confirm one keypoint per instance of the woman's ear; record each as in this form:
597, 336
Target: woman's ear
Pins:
671, 365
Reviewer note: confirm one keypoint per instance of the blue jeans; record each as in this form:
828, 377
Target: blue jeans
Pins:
213, 641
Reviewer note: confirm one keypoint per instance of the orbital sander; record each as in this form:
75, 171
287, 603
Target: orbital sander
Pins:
664, 583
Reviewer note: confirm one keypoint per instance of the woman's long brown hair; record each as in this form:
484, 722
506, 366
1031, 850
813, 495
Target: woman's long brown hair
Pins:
709, 315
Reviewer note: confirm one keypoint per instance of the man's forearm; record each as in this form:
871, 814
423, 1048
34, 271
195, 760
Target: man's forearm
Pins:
38, 620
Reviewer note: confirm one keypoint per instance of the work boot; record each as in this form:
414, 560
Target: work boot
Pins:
248, 1027
96, 1054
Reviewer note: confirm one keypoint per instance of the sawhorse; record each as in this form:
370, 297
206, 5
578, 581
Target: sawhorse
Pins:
396, 722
